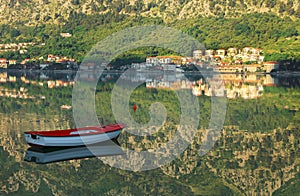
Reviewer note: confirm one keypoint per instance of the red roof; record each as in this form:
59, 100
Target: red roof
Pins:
271, 62
269, 84
225, 63
79, 131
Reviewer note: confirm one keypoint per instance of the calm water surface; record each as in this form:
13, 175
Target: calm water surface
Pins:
257, 152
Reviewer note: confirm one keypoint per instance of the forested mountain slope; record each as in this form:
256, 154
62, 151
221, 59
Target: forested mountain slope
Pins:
58, 11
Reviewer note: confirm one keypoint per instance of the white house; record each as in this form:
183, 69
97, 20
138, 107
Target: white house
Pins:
197, 54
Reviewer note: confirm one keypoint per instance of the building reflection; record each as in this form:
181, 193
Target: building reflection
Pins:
246, 86
233, 85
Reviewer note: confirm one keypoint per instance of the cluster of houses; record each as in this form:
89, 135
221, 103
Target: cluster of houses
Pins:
231, 55
5, 63
12, 47
232, 60
243, 60
59, 59
22, 49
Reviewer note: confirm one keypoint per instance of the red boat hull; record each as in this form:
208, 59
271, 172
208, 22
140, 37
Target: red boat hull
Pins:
74, 137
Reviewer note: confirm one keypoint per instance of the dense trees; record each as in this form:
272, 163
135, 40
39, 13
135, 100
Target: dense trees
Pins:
277, 36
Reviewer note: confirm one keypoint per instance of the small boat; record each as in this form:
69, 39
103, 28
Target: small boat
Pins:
74, 137
50, 155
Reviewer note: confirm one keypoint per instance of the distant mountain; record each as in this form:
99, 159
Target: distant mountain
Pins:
58, 11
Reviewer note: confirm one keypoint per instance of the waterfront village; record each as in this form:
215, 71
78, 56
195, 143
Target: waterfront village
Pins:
171, 68
232, 60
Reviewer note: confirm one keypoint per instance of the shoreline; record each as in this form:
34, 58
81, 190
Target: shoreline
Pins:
278, 73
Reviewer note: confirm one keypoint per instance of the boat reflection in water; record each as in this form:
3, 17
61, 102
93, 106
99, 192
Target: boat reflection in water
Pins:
43, 155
